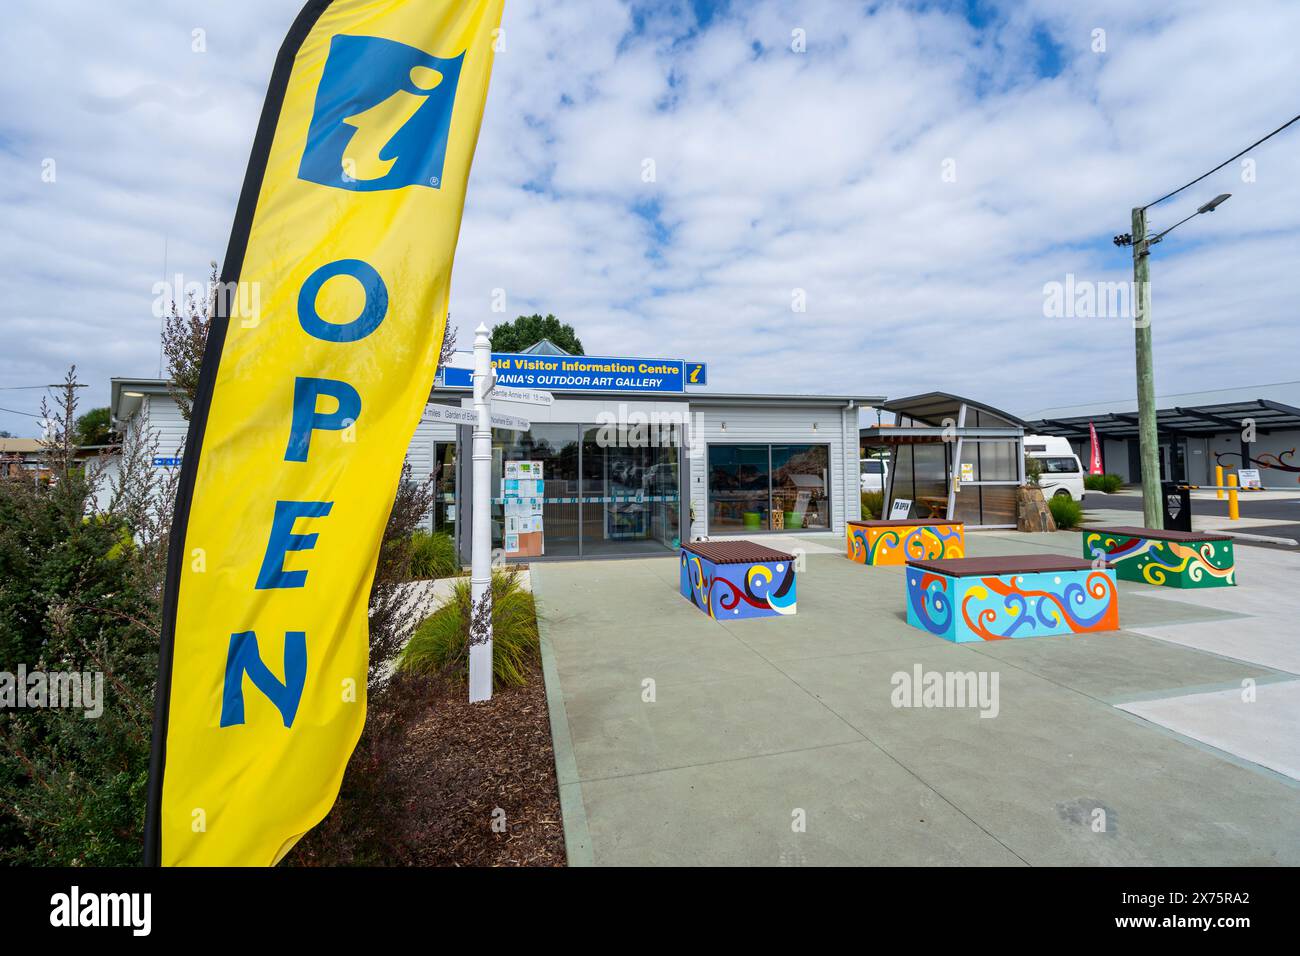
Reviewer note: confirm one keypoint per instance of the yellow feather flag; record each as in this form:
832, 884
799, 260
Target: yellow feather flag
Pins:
319, 363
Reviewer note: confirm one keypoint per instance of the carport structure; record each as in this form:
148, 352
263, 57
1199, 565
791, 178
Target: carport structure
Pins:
1180, 427
955, 458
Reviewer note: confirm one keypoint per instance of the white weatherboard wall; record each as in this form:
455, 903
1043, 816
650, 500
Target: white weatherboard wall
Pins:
774, 424
163, 416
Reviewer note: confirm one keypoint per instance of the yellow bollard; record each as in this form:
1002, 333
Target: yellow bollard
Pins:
1233, 513
1218, 480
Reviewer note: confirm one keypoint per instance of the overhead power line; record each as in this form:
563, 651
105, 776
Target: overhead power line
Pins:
14, 411
1224, 163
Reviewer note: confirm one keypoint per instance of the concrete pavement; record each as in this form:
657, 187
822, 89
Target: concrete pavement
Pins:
681, 740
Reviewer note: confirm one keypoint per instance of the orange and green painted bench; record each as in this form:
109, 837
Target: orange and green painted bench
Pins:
1019, 595
1172, 559
903, 540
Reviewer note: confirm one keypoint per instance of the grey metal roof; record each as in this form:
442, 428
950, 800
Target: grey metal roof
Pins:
1178, 420
544, 347
933, 407
1288, 393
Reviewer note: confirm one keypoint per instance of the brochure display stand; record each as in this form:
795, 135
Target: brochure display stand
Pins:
523, 495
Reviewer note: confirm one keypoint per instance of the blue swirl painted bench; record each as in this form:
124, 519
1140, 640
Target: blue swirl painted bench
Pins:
734, 580
991, 599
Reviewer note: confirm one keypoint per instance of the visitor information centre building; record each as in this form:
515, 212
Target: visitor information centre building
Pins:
629, 456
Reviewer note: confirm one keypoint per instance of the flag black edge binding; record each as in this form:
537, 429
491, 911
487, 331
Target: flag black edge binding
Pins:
231, 268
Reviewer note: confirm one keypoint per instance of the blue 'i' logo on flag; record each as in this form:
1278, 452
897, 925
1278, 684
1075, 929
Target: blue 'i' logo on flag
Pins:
382, 116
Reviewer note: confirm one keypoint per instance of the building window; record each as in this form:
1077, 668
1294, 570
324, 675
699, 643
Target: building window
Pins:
768, 487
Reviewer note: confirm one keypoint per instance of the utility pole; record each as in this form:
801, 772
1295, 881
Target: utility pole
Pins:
480, 628
1152, 513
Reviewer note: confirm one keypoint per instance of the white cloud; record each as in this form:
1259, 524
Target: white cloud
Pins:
776, 170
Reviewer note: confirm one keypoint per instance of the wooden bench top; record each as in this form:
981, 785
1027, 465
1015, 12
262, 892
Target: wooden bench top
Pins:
901, 522
1127, 531
1004, 565
735, 552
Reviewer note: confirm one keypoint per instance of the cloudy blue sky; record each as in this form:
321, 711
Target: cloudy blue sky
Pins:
919, 171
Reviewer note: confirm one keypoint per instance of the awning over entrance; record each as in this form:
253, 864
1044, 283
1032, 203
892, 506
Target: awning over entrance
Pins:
940, 408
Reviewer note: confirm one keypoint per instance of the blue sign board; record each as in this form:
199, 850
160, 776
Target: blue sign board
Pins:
697, 373
583, 373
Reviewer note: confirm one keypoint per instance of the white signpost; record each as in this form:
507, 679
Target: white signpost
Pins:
483, 420
481, 417
480, 630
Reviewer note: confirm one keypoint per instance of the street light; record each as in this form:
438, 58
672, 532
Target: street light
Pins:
1213, 204
1152, 515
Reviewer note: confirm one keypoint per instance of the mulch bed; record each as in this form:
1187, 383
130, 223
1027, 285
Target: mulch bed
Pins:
465, 760
425, 793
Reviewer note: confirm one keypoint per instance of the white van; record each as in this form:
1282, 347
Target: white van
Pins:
875, 473
1062, 470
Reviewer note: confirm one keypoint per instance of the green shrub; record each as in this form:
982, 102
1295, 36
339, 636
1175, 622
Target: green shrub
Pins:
1066, 512
76, 594
1109, 483
440, 643
872, 503
433, 555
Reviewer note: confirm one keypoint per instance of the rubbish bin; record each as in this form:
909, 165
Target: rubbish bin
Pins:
1177, 499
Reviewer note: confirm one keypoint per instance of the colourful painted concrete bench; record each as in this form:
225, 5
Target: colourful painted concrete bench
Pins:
734, 580
1174, 559
900, 541
989, 599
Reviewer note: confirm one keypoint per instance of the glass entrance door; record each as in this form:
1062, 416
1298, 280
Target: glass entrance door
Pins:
629, 493
605, 492
444, 487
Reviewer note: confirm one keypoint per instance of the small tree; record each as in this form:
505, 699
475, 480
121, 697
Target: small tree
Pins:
184, 338
95, 428
60, 442
448, 345
1033, 471
527, 330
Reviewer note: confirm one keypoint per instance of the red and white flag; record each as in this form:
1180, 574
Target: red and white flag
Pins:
1094, 457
